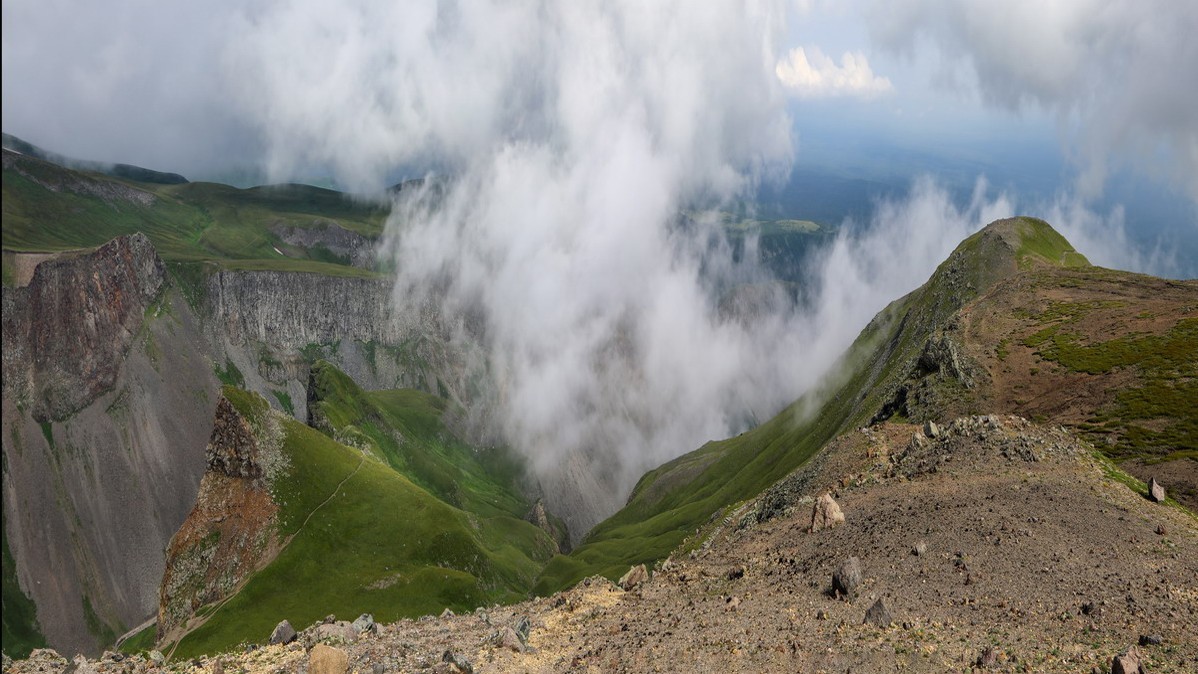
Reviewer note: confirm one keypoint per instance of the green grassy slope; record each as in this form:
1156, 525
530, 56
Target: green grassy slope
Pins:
404, 428
671, 502
49, 208
368, 539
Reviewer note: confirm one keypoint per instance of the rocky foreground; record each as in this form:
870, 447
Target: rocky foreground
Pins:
991, 544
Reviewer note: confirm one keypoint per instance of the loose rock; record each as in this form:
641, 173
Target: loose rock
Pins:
931, 430
327, 660
847, 578
1127, 663
988, 658
826, 513
457, 661
523, 627
364, 623
878, 615
1156, 491
635, 576
284, 633
919, 549
338, 631
507, 638
1151, 640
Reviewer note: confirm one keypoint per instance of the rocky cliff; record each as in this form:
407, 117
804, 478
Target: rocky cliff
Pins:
232, 529
106, 409
272, 325
110, 379
67, 332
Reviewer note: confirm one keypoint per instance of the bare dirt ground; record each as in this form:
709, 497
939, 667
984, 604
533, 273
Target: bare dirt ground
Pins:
1032, 560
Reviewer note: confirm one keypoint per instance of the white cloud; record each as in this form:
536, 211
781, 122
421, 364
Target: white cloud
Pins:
1117, 74
808, 73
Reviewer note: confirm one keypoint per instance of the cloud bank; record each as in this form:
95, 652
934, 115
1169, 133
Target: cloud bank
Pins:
1117, 74
814, 75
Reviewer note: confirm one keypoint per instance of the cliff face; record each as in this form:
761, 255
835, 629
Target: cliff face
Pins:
232, 529
67, 332
109, 388
106, 409
340, 242
271, 325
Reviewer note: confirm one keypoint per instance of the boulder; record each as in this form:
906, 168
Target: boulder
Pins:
1127, 662
847, 578
338, 631
1156, 491
456, 662
284, 633
364, 623
826, 513
931, 430
635, 576
878, 615
523, 628
988, 659
507, 638
327, 660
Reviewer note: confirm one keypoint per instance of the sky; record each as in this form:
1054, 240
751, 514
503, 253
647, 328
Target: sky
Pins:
575, 133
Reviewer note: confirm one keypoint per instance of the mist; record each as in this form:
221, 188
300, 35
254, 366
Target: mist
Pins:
614, 332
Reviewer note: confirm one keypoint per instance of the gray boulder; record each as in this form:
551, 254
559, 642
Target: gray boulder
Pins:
364, 623
878, 615
1156, 491
284, 633
847, 578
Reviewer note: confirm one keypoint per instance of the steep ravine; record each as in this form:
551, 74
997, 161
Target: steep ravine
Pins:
110, 381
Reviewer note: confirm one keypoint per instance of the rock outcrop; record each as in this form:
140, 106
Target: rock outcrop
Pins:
352, 247
67, 332
105, 415
232, 529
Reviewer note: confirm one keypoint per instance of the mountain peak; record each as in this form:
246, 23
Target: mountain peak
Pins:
1032, 241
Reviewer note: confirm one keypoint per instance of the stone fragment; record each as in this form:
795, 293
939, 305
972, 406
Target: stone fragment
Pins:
284, 633
1151, 640
931, 430
988, 659
826, 513
325, 659
847, 578
1156, 491
457, 661
507, 638
364, 623
919, 549
635, 576
878, 615
341, 631
1127, 662
523, 628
